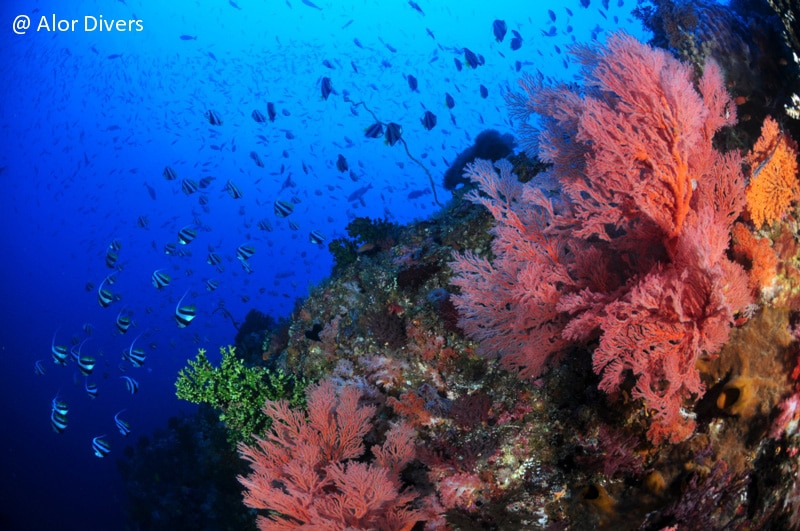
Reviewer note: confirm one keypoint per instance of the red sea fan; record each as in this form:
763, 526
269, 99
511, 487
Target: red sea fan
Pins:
629, 245
304, 471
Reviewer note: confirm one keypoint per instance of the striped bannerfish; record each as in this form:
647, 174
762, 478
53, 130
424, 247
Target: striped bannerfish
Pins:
143, 222
160, 279
111, 259
135, 356
293, 225
90, 388
211, 284
104, 296
59, 351
258, 116
123, 427
169, 174
186, 235
184, 314
171, 249
189, 186
100, 446
205, 182
244, 252
316, 237
86, 365
213, 259
38, 368
246, 267
233, 190
58, 415
130, 384
76, 350
58, 421
283, 209
212, 117
265, 225
123, 321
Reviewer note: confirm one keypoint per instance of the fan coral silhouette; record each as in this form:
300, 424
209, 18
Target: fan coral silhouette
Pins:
629, 247
304, 471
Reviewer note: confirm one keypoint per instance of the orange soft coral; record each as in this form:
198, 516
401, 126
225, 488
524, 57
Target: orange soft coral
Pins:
773, 179
759, 253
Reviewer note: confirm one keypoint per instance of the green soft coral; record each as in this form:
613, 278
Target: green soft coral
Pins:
237, 391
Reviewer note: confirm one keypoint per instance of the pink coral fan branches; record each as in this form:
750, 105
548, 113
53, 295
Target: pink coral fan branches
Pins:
304, 471
628, 245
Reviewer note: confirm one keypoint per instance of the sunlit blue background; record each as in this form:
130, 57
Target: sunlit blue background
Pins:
90, 119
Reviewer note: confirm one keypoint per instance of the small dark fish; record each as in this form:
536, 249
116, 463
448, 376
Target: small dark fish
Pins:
151, 191
169, 174
459, 65
374, 131
258, 116
516, 42
428, 30
393, 133
326, 87
234, 5
341, 164
415, 6
552, 15
473, 60
256, 159
327, 64
213, 118
449, 101
428, 120
484, 92
115, 56
584, 3
499, 28
359, 193
311, 4
416, 194
188, 37
271, 111
347, 23
552, 32
412, 82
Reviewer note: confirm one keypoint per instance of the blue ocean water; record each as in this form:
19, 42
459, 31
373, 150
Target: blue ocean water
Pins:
99, 97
